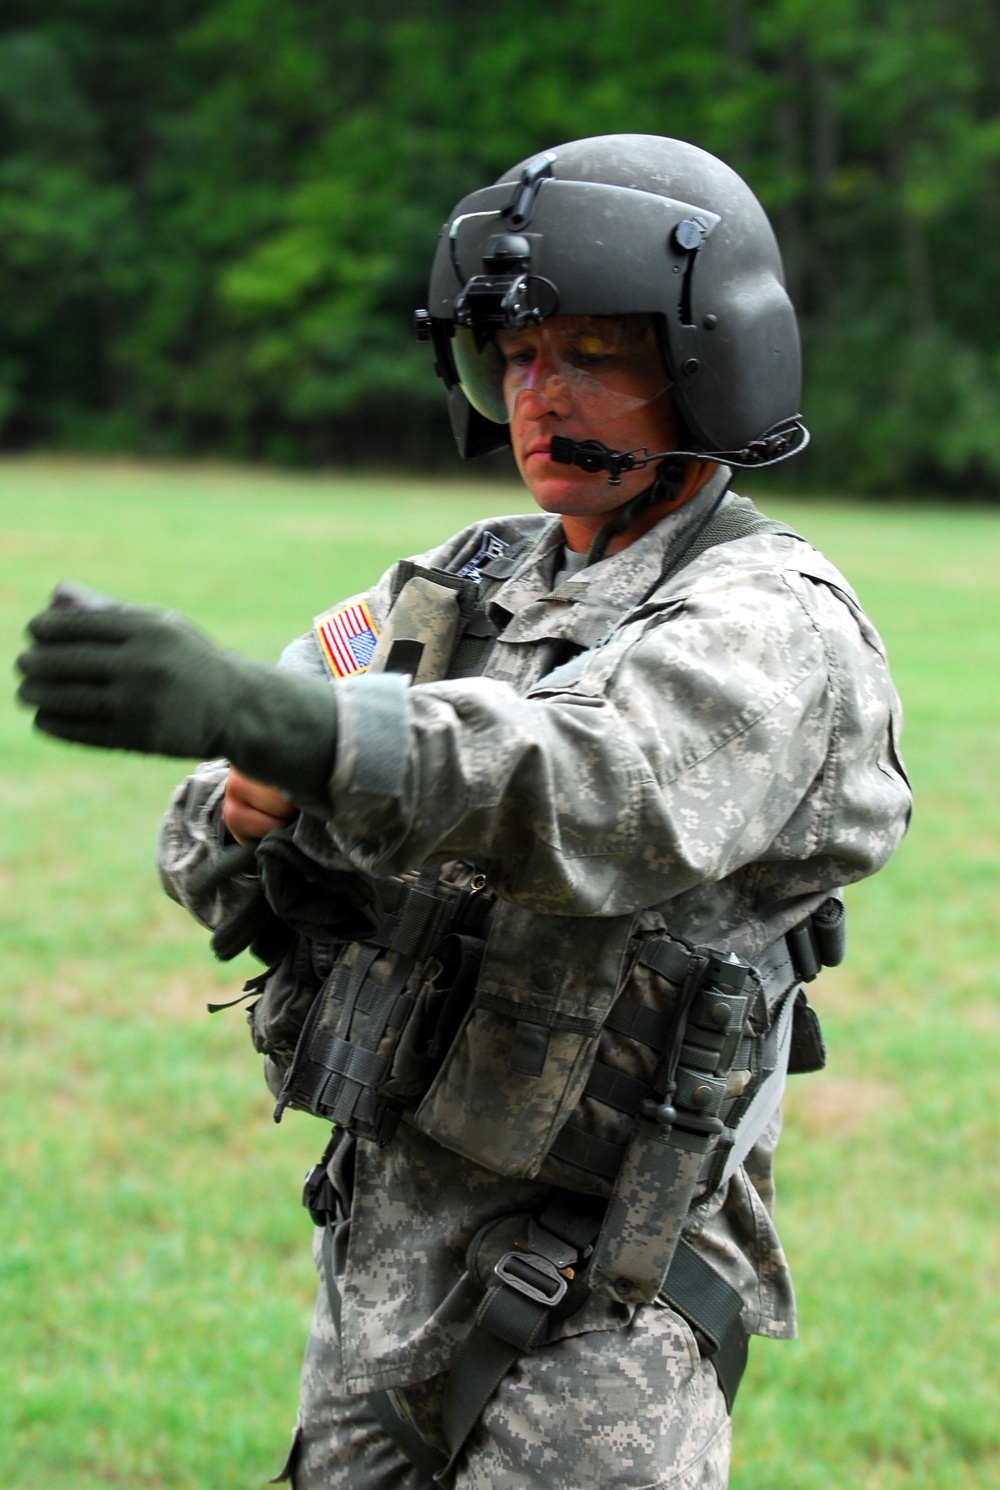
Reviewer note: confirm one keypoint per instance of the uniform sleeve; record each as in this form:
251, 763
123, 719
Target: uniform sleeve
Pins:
192, 830
190, 833
747, 720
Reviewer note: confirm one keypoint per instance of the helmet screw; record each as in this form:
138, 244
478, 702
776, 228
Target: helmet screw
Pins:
710, 323
689, 235
690, 367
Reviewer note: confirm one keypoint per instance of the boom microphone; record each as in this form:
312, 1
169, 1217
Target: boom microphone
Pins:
777, 443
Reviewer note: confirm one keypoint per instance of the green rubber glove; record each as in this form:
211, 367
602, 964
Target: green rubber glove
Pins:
123, 678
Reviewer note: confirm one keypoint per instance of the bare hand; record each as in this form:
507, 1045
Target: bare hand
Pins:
252, 809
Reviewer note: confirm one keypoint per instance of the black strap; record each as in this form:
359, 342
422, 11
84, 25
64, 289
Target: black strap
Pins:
532, 1287
596, 1155
639, 1022
429, 1460
475, 643
506, 1327
703, 1297
515, 1314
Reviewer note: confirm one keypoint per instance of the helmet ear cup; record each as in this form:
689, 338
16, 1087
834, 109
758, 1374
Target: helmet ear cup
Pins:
743, 373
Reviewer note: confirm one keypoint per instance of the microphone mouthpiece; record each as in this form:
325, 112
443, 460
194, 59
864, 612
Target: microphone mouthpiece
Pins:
591, 455
562, 450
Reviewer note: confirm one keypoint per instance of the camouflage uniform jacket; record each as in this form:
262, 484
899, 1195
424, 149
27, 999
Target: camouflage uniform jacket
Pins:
718, 751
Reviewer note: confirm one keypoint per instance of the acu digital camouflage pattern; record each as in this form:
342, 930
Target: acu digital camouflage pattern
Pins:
426, 614
518, 1067
396, 1061
724, 744
719, 756
636, 1407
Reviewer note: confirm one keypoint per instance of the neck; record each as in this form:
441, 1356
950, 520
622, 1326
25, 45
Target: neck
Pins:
581, 531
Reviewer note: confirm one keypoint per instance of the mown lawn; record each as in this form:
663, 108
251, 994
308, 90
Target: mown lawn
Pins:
155, 1283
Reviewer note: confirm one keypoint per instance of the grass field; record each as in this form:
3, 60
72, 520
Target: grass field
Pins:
155, 1284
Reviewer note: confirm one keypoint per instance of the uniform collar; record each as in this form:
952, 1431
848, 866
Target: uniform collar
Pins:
586, 607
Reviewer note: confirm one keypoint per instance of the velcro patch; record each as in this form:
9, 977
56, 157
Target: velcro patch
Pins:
490, 547
348, 638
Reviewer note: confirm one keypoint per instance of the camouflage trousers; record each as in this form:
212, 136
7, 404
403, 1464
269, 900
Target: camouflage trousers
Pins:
633, 1409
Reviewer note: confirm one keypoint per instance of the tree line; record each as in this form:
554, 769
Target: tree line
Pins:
217, 216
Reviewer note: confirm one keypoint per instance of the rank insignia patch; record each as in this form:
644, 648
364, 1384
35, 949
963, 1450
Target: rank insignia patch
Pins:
348, 639
490, 547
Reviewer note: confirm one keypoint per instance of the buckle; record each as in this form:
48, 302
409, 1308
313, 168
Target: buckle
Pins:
318, 1195
538, 1267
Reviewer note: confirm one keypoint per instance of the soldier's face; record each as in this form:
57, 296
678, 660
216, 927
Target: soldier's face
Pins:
589, 378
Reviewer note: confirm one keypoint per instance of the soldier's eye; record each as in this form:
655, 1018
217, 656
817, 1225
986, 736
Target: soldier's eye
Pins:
579, 357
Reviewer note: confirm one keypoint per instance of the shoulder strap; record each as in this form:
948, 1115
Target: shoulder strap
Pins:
726, 521
737, 518
723, 523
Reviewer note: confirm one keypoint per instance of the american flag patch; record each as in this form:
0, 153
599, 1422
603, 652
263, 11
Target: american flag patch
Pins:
348, 638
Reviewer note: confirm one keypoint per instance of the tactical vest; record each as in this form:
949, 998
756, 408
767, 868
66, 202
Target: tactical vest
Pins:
605, 1056
608, 1058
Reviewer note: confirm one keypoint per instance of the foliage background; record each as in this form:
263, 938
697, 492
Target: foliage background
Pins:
216, 216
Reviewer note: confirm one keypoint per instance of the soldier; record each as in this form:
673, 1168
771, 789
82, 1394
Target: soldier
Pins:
540, 838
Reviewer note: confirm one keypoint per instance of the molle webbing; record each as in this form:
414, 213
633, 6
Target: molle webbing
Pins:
710, 1053
675, 1127
345, 1065
722, 1056
375, 1028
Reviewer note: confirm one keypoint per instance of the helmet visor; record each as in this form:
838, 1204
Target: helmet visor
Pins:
591, 369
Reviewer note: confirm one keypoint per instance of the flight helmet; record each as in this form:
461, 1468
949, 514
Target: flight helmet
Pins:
623, 225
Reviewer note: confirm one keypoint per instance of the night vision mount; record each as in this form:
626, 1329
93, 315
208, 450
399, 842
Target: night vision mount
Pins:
508, 294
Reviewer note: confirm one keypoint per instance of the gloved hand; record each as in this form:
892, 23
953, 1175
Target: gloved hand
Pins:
124, 678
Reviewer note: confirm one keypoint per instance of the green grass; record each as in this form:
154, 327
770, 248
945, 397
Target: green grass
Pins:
155, 1284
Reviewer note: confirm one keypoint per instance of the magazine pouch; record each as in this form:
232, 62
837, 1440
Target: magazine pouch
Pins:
389, 1007
522, 1056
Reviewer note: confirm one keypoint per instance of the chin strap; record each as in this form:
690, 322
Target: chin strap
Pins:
665, 487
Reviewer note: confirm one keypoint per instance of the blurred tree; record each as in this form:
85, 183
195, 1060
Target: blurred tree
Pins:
216, 216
